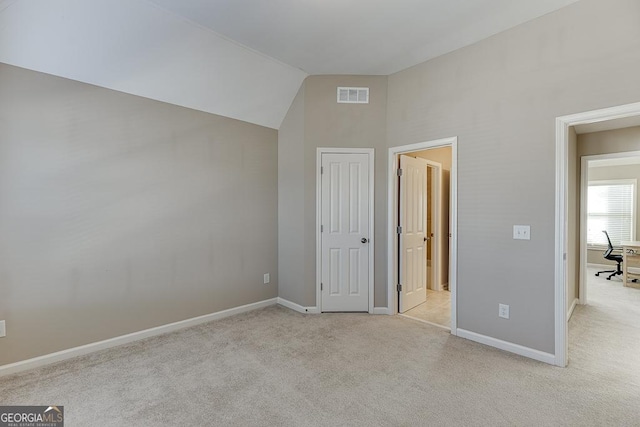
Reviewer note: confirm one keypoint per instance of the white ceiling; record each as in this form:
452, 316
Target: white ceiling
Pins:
243, 59
359, 36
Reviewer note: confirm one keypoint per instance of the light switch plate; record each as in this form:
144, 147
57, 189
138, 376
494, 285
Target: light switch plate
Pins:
267, 278
522, 232
3, 329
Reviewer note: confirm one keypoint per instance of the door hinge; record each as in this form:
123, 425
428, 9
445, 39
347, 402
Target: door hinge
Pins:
322, 228
321, 286
399, 172
399, 229
321, 170
399, 287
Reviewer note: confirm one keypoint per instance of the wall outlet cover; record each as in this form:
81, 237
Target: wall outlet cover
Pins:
503, 311
267, 278
3, 329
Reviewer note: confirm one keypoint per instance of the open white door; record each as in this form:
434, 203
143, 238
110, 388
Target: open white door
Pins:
412, 233
345, 246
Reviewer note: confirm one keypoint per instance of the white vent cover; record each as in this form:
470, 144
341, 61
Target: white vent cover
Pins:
353, 95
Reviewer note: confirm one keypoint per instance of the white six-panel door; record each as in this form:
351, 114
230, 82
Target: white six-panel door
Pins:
413, 223
345, 246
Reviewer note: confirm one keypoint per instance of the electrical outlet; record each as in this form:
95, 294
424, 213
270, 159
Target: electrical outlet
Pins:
503, 311
267, 278
522, 232
3, 329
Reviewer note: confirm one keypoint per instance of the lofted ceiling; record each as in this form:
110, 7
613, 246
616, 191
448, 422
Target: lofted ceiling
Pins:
378, 37
243, 59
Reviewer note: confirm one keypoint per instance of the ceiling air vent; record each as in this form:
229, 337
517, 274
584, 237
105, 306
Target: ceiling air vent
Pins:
353, 95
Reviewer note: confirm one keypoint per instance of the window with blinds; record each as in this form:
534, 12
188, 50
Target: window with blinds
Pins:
611, 207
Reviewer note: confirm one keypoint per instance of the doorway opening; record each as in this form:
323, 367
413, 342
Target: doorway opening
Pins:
603, 304
422, 232
570, 273
608, 202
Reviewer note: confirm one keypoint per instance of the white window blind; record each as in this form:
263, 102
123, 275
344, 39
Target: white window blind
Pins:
611, 207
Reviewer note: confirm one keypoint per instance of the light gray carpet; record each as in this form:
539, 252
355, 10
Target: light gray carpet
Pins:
277, 367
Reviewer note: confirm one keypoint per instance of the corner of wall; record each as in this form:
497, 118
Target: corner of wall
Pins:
291, 201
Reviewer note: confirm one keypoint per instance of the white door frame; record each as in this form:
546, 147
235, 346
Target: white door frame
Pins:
324, 150
584, 184
435, 204
562, 169
392, 221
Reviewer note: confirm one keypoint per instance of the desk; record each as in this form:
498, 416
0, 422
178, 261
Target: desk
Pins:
630, 258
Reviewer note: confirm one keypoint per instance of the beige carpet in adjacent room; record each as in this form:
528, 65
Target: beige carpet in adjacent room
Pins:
277, 367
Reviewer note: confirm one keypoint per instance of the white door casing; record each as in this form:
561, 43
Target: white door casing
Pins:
345, 231
413, 232
563, 124
392, 222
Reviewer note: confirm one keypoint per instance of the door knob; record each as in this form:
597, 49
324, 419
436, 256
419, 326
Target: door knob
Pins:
364, 240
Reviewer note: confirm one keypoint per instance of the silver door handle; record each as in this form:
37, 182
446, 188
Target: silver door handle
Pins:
364, 240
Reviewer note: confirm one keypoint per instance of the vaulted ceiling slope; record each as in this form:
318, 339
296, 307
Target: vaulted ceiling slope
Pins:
371, 37
243, 59
136, 47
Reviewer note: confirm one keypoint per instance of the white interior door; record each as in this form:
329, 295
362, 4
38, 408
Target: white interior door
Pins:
413, 223
345, 246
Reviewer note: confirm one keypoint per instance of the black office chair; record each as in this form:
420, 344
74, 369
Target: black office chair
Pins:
608, 254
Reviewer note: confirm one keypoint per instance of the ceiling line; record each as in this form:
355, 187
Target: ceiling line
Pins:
222, 36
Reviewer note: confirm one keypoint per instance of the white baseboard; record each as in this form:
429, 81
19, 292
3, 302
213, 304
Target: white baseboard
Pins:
314, 310
573, 307
297, 307
381, 310
47, 359
507, 346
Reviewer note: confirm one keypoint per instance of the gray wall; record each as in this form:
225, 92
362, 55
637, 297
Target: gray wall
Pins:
329, 124
611, 141
501, 97
119, 213
291, 215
